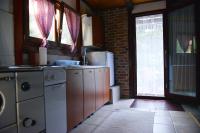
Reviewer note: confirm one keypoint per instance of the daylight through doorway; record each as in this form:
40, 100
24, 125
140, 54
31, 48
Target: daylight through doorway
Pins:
150, 61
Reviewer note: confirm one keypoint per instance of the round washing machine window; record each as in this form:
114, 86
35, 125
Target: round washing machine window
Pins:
2, 103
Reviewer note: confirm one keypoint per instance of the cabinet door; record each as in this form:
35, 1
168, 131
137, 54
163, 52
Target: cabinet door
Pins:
99, 81
74, 97
107, 85
97, 31
89, 92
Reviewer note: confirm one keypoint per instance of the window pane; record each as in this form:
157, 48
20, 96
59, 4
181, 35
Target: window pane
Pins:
66, 37
33, 28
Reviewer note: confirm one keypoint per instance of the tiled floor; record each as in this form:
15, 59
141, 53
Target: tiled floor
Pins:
120, 118
156, 105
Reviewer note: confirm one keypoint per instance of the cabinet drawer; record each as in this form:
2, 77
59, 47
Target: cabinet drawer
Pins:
31, 116
29, 85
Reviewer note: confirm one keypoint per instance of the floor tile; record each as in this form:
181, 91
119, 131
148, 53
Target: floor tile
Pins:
83, 128
102, 113
120, 118
179, 114
162, 128
181, 121
162, 113
109, 130
128, 127
156, 105
94, 120
163, 120
187, 129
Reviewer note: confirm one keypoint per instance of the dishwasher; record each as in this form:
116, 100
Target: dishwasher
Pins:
55, 99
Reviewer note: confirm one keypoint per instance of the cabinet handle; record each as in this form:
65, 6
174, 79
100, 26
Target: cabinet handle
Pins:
25, 86
90, 71
76, 73
6, 78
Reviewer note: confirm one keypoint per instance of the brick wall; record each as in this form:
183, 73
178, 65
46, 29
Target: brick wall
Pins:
116, 40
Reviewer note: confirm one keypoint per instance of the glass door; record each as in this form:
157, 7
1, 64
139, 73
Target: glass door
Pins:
150, 56
182, 52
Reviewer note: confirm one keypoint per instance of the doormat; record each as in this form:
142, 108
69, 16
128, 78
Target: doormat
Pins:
156, 105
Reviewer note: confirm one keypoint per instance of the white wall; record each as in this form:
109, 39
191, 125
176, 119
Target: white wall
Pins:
6, 33
152, 6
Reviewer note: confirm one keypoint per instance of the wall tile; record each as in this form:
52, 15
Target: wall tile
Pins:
6, 5
6, 34
52, 58
7, 60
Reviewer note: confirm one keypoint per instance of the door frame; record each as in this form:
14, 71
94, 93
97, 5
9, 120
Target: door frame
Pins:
133, 54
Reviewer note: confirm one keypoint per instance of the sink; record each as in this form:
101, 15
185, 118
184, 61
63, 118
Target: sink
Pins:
65, 63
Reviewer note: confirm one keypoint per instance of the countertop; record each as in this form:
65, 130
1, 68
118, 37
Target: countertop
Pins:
20, 68
24, 68
84, 67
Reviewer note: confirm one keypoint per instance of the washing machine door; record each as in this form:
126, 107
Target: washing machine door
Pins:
7, 100
2, 103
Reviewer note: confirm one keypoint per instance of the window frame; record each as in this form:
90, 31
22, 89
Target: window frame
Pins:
31, 44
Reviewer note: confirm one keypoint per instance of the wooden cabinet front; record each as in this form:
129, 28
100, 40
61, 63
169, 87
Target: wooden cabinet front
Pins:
107, 85
89, 92
99, 81
97, 31
92, 31
74, 97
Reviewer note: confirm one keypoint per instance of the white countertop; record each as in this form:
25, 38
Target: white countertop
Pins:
83, 67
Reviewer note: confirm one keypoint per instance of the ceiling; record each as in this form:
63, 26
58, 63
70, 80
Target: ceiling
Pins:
105, 4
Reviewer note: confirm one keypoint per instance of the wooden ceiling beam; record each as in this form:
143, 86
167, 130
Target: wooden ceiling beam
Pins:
106, 4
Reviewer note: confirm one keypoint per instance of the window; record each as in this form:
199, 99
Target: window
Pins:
61, 36
66, 37
34, 29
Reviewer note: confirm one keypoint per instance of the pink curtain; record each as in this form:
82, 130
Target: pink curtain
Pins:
73, 22
44, 12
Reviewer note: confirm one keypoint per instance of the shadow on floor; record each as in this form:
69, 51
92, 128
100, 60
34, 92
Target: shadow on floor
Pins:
156, 105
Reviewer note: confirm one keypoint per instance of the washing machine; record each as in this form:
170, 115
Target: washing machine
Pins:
7, 103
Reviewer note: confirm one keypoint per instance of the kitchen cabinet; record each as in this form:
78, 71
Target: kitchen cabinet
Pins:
74, 97
97, 31
92, 31
100, 84
89, 92
106, 97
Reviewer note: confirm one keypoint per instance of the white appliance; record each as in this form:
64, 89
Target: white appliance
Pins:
30, 102
55, 100
7, 103
102, 58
